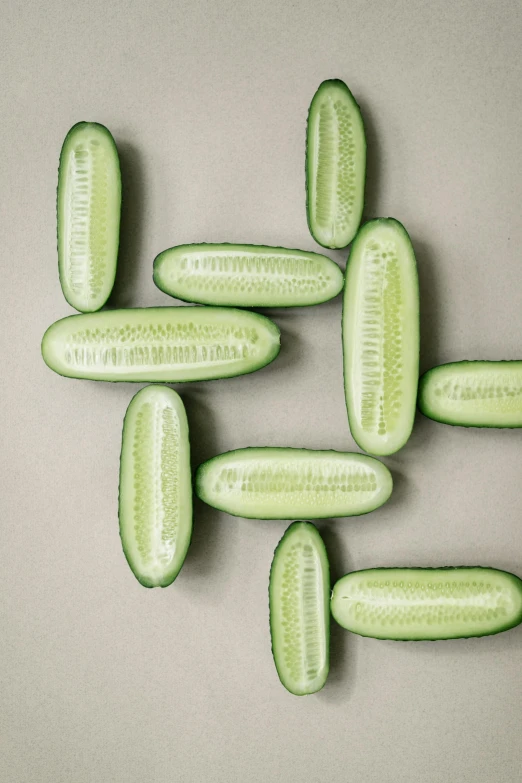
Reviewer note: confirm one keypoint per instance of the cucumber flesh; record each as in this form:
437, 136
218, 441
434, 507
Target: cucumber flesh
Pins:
173, 344
473, 394
280, 483
414, 604
247, 275
155, 501
299, 596
335, 165
88, 212
381, 337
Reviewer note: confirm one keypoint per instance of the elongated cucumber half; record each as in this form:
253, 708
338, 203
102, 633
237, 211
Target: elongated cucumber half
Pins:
88, 211
413, 604
381, 337
299, 596
335, 165
473, 394
279, 483
247, 275
160, 344
155, 503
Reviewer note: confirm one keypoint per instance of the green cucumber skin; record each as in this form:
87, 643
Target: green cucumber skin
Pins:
109, 137
513, 577
209, 301
271, 598
166, 582
200, 477
424, 407
367, 227
324, 85
263, 319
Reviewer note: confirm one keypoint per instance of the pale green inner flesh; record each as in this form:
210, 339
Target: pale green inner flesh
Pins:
162, 344
285, 486
245, 276
155, 491
426, 604
337, 160
381, 340
89, 204
478, 393
299, 612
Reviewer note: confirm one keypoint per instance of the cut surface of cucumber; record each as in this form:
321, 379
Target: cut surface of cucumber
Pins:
173, 344
88, 213
280, 483
299, 596
381, 337
247, 275
155, 500
415, 604
335, 165
473, 394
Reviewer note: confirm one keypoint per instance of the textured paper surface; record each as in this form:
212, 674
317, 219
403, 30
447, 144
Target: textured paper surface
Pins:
102, 680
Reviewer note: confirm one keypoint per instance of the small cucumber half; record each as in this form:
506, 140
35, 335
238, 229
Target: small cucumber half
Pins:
473, 394
88, 211
415, 604
381, 337
155, 503
299, 595
174, 344
247, 275
280, 483
335, 165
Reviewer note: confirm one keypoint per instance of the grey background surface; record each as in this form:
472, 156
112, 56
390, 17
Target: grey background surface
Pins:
102, 680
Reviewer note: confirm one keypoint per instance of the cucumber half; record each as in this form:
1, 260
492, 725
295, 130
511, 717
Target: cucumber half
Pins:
473, 394
415, 604
381, 337
247, 275
335, 165
88, 212
280, 483
173, 344
155, 502
299, 595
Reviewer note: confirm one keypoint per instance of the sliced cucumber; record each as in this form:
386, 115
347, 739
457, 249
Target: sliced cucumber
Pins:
473, 394
276, 483
155, 503
247, 275
412, 604
160, 344
335, 165
88, 207
381, 337
299, 596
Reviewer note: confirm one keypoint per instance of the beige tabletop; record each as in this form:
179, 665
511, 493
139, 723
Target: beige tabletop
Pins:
103, 681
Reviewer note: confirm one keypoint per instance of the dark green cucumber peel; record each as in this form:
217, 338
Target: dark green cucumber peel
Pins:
299, 593
474, 393
427, 604
88, 206
285, 483
246, 275
161, 344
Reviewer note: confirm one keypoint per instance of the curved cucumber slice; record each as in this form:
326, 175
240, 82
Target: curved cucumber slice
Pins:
412, 604
247, 275
160, 344
335, 165
299, 595
473, 394
275, 483
381, 337
88, 207
155, 504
